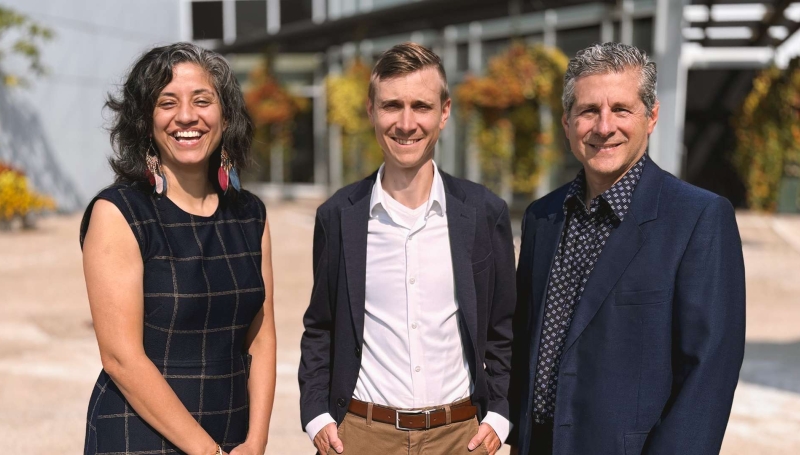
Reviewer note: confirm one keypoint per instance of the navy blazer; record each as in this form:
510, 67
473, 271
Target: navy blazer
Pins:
482, 252
652, 356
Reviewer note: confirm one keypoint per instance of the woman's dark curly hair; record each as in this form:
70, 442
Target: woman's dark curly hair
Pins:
133, 109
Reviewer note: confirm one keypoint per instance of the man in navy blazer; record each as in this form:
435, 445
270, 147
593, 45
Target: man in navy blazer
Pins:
407, 342
630, 322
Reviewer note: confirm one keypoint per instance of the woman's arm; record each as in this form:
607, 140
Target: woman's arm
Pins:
112, 265
261, 346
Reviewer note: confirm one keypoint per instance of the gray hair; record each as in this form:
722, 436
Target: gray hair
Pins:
607, 58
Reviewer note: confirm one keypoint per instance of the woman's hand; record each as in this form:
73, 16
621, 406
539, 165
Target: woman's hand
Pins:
246, 449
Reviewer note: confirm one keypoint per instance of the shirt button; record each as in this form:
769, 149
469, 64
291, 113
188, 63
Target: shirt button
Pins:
414, 325
417, 369
412, 280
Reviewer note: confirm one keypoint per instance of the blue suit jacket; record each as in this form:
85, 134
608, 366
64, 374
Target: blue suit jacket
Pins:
482, 252
653, 353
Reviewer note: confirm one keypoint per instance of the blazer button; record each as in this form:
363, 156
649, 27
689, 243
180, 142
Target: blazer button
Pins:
358, 352
340, 402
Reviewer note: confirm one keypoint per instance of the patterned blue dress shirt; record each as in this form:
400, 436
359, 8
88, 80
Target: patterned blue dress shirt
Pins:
586, 231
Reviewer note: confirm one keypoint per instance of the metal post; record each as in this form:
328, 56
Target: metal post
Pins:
546, 126
228, 21
348, 7
550, 22
318, 13
366, 51
334, 9
626, 20
335, 171
349, 53
185, 12
475, 51
273, 16
666, 142
447, 156
607, 26
276, 159
320, 119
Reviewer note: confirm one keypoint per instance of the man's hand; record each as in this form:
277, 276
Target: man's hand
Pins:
328, 437
488, 437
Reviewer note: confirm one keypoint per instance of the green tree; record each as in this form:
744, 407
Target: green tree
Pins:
22, 37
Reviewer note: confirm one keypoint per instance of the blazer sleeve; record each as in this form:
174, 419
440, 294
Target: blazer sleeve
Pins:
708, 337
498, 340
315, 344
520, 351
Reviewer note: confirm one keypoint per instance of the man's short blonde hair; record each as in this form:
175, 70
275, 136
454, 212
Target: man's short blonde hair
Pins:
403, 59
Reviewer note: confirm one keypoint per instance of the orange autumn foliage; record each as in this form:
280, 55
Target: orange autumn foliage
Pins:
508, 103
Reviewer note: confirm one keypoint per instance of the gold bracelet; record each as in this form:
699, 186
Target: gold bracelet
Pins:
219, 450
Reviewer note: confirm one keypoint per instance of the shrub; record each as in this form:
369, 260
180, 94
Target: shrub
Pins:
16, 197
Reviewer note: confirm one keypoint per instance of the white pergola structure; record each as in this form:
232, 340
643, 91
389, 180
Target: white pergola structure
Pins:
686, 35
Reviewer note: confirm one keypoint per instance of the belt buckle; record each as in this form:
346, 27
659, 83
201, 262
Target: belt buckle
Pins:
398, 412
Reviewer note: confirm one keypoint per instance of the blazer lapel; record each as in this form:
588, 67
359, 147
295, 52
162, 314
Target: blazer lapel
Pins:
622, 245
354, 225
461, 229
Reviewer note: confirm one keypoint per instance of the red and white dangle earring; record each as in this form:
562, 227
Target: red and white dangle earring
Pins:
154, 173
226, 174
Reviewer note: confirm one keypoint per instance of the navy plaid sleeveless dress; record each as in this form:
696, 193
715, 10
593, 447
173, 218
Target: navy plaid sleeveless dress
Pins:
202, 289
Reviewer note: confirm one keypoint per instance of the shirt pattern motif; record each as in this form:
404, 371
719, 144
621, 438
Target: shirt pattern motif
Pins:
586, 231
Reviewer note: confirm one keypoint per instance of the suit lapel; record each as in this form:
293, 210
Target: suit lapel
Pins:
461, 228
621, 247
461, 219
354, 225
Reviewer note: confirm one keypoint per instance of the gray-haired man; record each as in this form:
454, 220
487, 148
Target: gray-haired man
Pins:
629, 328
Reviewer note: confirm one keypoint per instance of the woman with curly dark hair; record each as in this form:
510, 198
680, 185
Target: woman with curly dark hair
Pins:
178, 268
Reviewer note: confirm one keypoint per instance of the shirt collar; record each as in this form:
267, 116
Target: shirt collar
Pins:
436, 201
618, 197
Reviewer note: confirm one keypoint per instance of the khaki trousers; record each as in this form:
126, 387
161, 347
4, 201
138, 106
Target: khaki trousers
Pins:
362, 438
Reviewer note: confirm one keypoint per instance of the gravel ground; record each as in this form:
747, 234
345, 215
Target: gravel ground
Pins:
49, 359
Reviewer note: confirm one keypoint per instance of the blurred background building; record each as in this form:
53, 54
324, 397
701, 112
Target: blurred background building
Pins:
707, 52
54, 128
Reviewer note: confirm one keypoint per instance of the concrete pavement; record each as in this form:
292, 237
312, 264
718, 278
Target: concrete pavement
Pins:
49, 359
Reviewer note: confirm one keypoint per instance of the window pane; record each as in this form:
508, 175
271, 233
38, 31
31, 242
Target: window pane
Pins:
301, 161
462, 57
251, 18
295, 11
643, 34
494, 48
571, 41
206, 20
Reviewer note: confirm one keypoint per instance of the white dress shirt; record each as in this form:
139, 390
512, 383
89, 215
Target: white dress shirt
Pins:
412, 355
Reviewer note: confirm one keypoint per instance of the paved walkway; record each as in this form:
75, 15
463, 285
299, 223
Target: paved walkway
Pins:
49, 360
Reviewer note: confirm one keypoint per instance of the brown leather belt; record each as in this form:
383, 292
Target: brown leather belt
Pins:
415, 420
